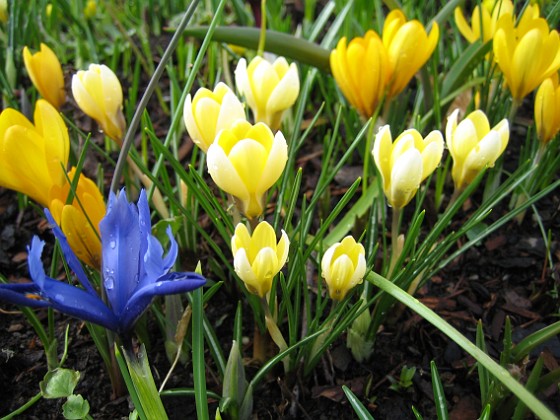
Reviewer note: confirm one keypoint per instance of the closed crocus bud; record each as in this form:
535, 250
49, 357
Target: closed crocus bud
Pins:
45, 72
34, 156
473, 145
526, 55
245, 161
210, 111
408, 47
547, 109
269, 89
483, 20
3, 11
361, 70
80, 219
91, 9
343, 267
257, 258
407, 162
99, 94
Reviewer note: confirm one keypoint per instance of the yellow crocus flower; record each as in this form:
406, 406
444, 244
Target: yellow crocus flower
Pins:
404, 164
408, 48
268, 88
257, 258
34, 156
343, 266
80, 219
3, 11
209, 112
361, 71
99, 94
245, 161
45, 72
483, 20
473, 145
547, 109
526, 55
91, 9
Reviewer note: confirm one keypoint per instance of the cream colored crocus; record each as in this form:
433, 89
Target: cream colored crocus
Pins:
79, 220
473, 145
34, 156
45, 72
408, 48
526, 55
269, 88
209, 111
361, 70
483, 20
257, 258
406, 162
343, 267
245, 161
547, 109
99, 94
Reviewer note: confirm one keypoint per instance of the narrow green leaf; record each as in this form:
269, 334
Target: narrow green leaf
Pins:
360, 410
483, 376
439, 393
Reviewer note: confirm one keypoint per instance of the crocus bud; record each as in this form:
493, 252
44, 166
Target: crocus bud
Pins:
245, 161
209, 112
473, 145
527, 54
34, 156
404, 164
343, 267
45, 72
257, 258
80, 219
483, 20
408, 48
547, 109
361, 70
269, 89
98, 93
3, 11
91, 9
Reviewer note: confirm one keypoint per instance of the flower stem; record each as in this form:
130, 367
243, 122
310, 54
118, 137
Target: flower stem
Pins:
275, 332
262, 35
395, 245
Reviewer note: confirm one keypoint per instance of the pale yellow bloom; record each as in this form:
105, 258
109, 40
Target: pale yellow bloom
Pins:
408, 48
407, 162
81, 229
526, 55
209, 112
473, 145
343, 267
547, 109
361, 70
3, 11
91, 9
257, 258
245, 161
99, 94
483, 20
45, 72
269, 89
34, 156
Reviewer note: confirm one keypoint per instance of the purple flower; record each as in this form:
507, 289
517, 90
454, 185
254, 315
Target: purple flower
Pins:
134, 271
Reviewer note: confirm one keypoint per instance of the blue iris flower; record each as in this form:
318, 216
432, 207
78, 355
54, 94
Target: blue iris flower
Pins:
134, 271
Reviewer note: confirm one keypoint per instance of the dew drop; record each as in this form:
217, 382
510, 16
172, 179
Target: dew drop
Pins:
59, 298
113, 244
136, 278
109, 282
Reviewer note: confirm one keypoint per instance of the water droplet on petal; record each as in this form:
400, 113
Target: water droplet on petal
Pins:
109, 282
113, 244
137, 278
59, 298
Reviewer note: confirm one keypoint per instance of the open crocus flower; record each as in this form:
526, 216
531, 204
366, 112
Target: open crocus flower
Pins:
269, 89
134, 271
209, 112
483, 20
407, 162
46, 74
245, 161
34, 156
473, 145
361, 70
80, 219
527, 54
259, 257
547, 109
408, 48
343, 267
98, 93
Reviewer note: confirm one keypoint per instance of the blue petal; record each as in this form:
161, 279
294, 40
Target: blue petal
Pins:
168, 284
171, 256
71, 258
120, 241
27, 294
